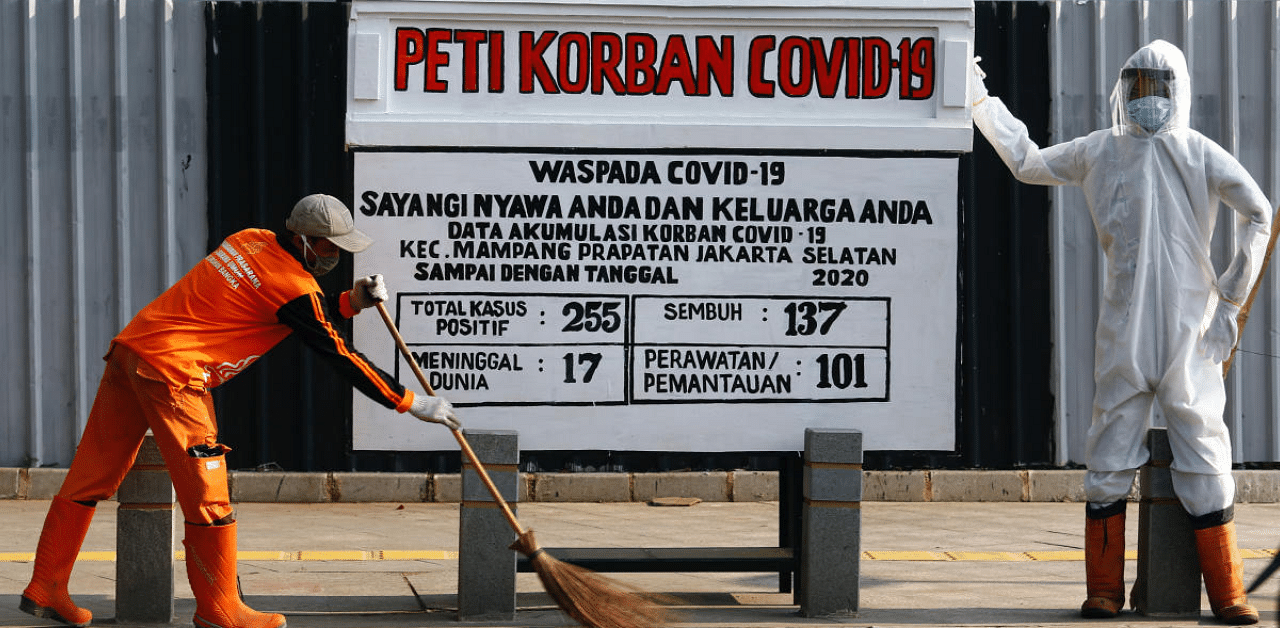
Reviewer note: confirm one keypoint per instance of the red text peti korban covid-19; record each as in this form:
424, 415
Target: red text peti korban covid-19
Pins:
640, 64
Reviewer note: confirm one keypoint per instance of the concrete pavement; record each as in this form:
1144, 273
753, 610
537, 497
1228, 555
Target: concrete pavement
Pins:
375, 565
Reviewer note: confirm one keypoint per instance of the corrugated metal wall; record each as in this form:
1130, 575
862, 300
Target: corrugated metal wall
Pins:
102, 180
103, 167
268, 62
1005, 406
277, 101
1231, 50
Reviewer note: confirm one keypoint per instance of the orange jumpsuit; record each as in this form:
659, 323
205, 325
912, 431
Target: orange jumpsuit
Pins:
224, 314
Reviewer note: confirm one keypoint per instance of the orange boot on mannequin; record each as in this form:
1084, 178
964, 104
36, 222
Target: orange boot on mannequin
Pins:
1224, 574
64, 530
211, 568
1104, 561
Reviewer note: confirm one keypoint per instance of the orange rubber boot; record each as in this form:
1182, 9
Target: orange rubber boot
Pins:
1104, 565
1224, 574
60, 541
211, 568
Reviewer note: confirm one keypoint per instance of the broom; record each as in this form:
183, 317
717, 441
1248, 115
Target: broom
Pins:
1241, 319
589, 598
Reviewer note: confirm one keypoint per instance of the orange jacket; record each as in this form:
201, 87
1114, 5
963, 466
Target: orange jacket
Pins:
234, 306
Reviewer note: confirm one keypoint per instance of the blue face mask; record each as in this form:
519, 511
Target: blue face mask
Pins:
1151, 112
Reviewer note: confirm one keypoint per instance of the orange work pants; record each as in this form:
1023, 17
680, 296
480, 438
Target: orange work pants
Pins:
133, 397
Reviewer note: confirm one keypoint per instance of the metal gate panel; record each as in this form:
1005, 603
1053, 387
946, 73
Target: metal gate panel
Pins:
103, 153
1231, 50
102, 167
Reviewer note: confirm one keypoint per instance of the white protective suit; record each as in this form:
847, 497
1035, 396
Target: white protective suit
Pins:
1154, 199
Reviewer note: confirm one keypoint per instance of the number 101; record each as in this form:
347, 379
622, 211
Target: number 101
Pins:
842, 370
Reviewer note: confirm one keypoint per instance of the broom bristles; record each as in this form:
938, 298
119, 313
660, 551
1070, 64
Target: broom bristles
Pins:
589, 598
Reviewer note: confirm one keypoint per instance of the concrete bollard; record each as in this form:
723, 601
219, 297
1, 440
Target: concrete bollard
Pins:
486, 565
145, 540
1168, 582
831, 538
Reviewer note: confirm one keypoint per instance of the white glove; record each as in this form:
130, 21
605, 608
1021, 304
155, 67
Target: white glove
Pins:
1220, 337
977, 88
367, 291
434, 410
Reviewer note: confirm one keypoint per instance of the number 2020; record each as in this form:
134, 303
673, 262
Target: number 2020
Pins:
841, 277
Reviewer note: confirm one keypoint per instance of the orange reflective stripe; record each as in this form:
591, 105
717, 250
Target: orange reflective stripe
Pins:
318, 309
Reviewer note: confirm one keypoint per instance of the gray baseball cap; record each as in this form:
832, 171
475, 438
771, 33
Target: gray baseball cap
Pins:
323, 216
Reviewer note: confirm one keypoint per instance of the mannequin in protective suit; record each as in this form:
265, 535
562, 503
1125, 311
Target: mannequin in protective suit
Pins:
1167, 320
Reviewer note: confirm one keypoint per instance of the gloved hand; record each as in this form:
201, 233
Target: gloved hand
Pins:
977, 88
1220, 337
368, 291
434, 410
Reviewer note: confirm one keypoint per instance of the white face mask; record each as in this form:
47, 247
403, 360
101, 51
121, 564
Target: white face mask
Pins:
323, 263
1150, 112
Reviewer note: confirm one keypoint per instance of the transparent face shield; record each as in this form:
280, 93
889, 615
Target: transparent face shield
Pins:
1144, 82
1147, 96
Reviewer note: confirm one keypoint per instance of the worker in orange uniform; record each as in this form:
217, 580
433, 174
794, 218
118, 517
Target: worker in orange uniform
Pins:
236, 304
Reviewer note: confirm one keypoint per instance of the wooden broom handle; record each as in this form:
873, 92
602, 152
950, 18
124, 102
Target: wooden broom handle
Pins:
1243, 316
457, 434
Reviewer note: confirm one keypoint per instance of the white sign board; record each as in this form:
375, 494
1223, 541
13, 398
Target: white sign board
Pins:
662, 272
656, 312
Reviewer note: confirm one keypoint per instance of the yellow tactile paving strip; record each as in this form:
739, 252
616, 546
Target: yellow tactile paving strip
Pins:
375, 555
